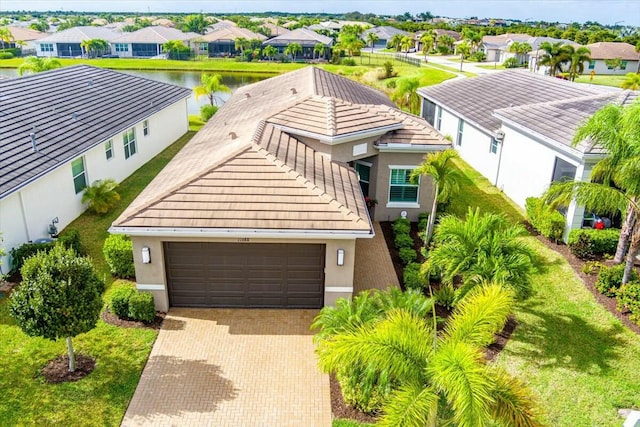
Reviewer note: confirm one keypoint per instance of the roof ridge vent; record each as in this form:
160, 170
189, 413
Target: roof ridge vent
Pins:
331, 117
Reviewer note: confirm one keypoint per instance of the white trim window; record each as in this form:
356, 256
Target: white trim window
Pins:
493, 147
129, 142
145, 127
460, 132
121, 47
439, 119
108, 149
402, 192
79, 175
46, 47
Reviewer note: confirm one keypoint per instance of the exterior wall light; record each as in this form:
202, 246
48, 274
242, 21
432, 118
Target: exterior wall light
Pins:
340, 257
146, 255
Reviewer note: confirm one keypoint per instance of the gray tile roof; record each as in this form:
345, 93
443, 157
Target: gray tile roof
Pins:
71, 109
156, 34
304, 36
80, 34
477, 98
558, 120
384, 33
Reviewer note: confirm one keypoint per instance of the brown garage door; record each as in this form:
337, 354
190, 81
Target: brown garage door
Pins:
203, 274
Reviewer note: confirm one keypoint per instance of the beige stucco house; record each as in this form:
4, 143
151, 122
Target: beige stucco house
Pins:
262, 208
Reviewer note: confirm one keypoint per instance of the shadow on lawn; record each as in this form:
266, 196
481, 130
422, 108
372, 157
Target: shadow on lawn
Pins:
566, 340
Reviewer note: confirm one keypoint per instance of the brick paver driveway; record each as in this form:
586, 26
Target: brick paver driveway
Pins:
240, 368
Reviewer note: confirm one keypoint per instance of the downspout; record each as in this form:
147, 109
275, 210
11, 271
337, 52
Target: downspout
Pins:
500, 139
24, 216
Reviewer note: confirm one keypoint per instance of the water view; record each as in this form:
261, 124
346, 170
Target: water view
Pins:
188, 79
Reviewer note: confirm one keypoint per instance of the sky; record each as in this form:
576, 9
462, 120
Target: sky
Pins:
623, 12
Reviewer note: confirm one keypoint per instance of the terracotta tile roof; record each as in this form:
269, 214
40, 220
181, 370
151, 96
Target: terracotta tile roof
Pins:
611, 50
415, 131
231, 33
25, 34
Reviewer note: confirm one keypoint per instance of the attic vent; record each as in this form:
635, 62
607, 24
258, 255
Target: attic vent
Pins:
247, 95
293, 91
233, 135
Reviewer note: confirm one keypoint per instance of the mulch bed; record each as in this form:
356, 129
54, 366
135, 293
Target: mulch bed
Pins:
57, 371
112, 319
340, 409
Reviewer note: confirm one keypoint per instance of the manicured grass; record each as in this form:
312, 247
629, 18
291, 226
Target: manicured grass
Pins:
195, 122
614, 81
451, 69
491, 67
577, 358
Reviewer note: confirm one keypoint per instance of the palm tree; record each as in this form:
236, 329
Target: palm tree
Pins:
445, 41
293, 49
443, 378
372, 38
320, 49
350, 42
617, 130
577, 57
481, 248
94, 46
464, 50
270, 51
34, 64
427, 41
445, 177
211, 84
631, 81
395, 42
555, 55
405, 44
406, 93
520, 49
101, 196
241, 44
5, 36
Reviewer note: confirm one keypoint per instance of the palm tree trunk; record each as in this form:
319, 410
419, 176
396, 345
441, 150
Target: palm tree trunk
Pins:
633, 252
432, 217
72, 357
625, 234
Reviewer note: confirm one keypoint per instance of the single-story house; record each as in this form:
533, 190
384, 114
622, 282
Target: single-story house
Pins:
304, 37
273, 29
147, 42
263, 207
533, 57
437, 32
222, 42
89, 124
26, 35
603, 51
495, 47
66, 43
384, 33
515, 128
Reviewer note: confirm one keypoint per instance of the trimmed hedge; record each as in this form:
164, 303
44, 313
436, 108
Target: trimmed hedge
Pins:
403, 241
71, 239
587, 243
141, 307
610, 279
408, 255
629, 300
401, 226
20, 254
118, 252
546, 220
120, 301
412, 278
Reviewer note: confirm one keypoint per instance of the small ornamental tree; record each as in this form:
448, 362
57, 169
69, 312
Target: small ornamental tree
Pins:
59, 297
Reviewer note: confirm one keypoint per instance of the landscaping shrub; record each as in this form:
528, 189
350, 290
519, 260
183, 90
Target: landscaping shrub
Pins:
403, 241
629, 300
350, 62
118, 252
6, 55
412, 278
391, 84
423, 220
408, 255
361, 389
71, 239
141, 307
479, 56
20, 254
592, 267
401, 226
546, 220
388, 70
120, 301
589, 242
511, 63
445, 296
610, 279
207, 111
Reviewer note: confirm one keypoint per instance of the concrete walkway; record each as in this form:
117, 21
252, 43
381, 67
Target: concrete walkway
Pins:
232, 367
373, 266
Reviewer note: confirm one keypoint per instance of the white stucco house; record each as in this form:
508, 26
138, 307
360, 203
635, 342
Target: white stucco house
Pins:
67, 43
88, 124
148, 42
603, 51
516, 128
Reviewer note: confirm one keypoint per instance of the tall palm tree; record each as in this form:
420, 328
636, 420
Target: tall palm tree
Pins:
101, 196
464, 50
555, 55
406, 94
577, 58
520, 49
319, 49
427, 41
395, 42
443, 377
372, 38
445, 177
481, 248
210, 85
270, 51
617, 129
94, 46
445, 41
241, 44
5, 36
34, 64
293, 49
631, 81
405, 44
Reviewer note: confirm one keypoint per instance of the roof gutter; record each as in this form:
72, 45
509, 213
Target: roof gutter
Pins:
340, 139
410, 148
241, 233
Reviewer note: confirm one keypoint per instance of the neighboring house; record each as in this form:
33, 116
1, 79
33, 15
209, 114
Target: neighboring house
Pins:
438, 32
602, 51
496, 47
147, 42
533, 57
63, 129
26, 35
516, 127
222, 42
262, 208
304, 37
274, 29
385, 34
66, 43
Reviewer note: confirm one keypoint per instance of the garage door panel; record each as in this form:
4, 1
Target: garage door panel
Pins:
245, 275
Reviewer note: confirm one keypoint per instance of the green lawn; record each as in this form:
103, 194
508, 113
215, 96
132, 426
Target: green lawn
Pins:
614, 81
102, 397
579, 360
491, 67
451, 69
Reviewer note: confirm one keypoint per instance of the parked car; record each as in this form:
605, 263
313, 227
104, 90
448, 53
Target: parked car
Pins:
592, 220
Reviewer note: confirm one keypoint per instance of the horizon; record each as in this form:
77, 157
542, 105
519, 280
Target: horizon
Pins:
623, 12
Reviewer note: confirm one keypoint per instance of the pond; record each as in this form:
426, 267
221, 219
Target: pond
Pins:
188, 79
